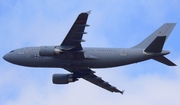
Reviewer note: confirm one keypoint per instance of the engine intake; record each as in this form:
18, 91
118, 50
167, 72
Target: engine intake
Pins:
63, 78
49, 51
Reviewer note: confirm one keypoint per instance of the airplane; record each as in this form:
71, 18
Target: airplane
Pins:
79, 61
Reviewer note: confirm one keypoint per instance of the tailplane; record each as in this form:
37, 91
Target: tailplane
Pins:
164, 60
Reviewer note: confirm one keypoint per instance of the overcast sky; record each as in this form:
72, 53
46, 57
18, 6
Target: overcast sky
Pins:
113, 23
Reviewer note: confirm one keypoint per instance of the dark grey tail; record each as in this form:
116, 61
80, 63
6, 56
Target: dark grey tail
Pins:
156, 45
164, 60
155, 42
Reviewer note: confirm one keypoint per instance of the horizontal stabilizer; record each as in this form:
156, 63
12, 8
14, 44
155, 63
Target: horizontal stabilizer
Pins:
156, 45
164, 60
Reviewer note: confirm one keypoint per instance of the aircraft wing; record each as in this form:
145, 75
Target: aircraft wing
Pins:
89, 75
73, 39
101, 83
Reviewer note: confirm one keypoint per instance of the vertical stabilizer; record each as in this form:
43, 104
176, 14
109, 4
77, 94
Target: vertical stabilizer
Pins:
164, 30
156, 45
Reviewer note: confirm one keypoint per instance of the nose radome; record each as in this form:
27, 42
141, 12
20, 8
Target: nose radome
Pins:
6, 57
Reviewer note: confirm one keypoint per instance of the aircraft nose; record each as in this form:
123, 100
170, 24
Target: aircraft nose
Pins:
9, 57
6, 57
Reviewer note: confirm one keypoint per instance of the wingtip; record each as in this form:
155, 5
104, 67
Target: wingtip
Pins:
88, 12
173, 65
170, 23
122, 92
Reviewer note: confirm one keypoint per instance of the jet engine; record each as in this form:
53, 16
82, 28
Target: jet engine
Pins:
63, 78
49, 51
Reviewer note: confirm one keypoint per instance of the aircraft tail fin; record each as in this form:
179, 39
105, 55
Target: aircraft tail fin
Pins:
164, 60
156, 45
152, 41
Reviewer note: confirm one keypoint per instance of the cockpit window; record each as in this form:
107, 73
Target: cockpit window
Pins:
11, 51
21, 51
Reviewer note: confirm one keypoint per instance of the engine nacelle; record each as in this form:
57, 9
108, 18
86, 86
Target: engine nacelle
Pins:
49, 51
63, 78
